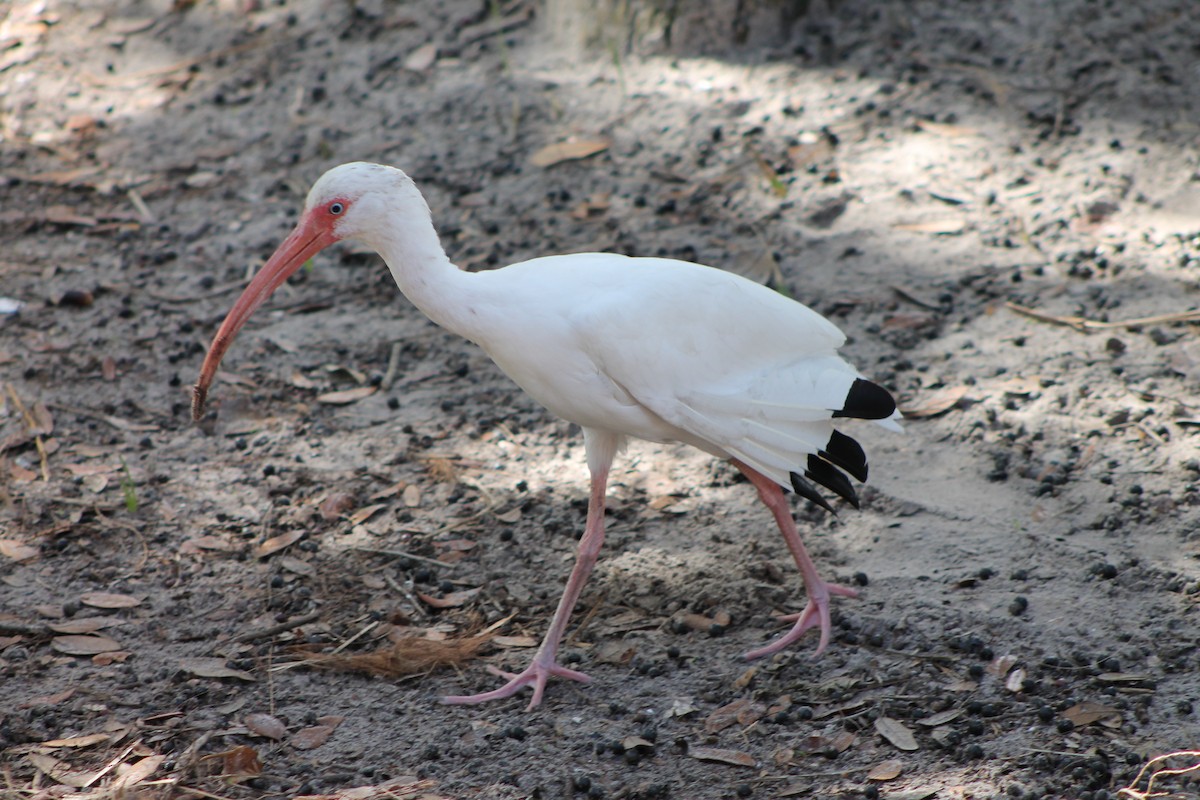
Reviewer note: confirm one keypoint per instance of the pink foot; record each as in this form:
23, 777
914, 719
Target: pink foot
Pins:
536, 674
815, 614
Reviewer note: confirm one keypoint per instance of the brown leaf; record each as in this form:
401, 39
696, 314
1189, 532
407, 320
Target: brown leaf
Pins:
312, 737
83, 625
240, 762
366, 512
509, 517
108, 368
347, 396
18, 551
60, 771
109, 600
1087, 712
726, 715
452, 600
65, 215
136, 773
213, 668
411, 497
940, 718
569, 150
896, 733
47, 700
83, 645
265, 725
885, 771
935, 402
277, 543
734, 757
335, 505
201, 543
83, 470
113, 657
78, 741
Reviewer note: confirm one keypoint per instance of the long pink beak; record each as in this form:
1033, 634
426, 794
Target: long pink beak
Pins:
308, 239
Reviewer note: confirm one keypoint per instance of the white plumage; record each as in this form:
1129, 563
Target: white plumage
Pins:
652, 348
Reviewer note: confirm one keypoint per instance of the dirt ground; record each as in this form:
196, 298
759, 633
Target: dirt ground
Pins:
998, 202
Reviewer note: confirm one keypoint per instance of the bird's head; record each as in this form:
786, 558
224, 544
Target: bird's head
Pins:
353, 201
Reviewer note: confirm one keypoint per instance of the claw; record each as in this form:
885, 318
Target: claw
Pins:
535, 675
815, 614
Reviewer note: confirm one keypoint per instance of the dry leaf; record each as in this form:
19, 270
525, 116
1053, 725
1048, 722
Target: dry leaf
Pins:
726, 715
83, 625
240, 762
896, 733
942, 227
634, 742
265, 725
514, 641
885, 771
934, 403
213, 668
335, 505
277, 543
1016, 680
136, 773
745, 678
109, 600
83, 470
422, 58
452, 600
18, 551
569, 150
347, 396
201, 543
365, 513
1087, 712
60, 771
411, 497
842, 742
78, 741
312, 737
941, 718
83, 645
510, 516
735, 757
113, 657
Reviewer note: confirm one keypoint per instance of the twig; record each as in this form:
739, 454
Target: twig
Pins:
1135, 794
402, 554
287, 625
393, 367
1084, 325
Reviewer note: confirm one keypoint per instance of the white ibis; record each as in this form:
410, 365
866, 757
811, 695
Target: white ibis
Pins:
659, 349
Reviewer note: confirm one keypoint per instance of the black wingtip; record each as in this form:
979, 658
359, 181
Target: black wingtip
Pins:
809, 492
828, 476
867, 400
844, 452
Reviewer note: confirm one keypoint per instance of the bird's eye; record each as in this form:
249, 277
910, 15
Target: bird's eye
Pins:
336, 208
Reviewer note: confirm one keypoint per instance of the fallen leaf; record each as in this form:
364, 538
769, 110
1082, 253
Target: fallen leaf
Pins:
65, 215
83, 645
18, 551
136, 773
335, 505
1016, 680
885, 771
935, 402
95, 483
569, 150
634, 742
940, 718
510, 516
77, 741
1087, 712
265, 725
201, 543
411, 496
312, 737
726, 715
451, 600
60, 771
347, 396
240, 762
422, 58
47, 700
83, 470
112, 657
109, 600
83, 625
108, 369
943, 227
842, 742
277, 543
212, 668
734, 757
365, 513
514, 641
896, 733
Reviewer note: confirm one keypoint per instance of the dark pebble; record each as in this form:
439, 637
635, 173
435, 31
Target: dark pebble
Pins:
1065, 726
973, 751
861, 578
744, 790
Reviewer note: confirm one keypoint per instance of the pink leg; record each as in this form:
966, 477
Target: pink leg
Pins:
545, 661
816, 613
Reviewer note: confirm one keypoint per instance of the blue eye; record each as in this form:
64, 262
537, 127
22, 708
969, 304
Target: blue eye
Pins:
336, 208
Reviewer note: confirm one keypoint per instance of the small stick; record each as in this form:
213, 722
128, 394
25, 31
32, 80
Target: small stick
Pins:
287, 625
1083, 325
389, 377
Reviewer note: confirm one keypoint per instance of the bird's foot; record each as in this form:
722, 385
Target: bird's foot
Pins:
535, 675
815, 614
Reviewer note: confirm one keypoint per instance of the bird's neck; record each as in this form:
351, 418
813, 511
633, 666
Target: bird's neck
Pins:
425, 274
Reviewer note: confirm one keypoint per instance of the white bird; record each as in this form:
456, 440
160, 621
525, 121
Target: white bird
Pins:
658, 349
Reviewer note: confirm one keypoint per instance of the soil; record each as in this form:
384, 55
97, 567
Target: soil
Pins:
990, 199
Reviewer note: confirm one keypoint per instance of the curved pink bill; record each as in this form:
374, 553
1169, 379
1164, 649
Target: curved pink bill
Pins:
308, 239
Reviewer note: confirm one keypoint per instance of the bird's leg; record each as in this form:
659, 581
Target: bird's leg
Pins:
816, 613
545, 662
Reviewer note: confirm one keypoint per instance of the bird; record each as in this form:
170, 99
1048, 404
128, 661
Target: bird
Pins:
625, 347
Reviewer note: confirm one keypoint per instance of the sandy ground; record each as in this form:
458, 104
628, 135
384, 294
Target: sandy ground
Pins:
920, 172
